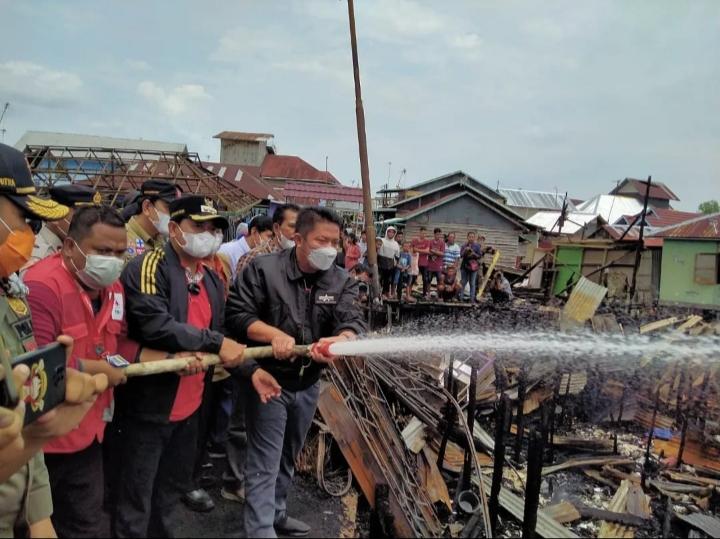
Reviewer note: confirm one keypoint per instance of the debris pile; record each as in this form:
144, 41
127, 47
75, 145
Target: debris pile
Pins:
490, 445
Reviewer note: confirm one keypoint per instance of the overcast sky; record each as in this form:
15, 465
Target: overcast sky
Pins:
539, 95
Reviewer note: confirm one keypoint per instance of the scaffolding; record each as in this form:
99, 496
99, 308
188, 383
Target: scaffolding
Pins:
116, 172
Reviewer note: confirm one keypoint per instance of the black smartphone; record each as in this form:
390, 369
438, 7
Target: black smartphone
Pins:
8, 391
45, 388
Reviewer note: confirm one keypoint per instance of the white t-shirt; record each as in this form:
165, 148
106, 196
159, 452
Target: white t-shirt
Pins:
234, 250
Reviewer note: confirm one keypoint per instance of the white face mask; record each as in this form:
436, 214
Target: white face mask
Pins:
100, 271
162, 224
201, 245
285, 243
323, 258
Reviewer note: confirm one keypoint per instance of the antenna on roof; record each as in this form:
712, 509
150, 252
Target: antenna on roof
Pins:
2, 116
401, 178
326, 163
389, 170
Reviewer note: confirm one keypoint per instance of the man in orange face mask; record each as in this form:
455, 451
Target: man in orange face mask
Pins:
25, 500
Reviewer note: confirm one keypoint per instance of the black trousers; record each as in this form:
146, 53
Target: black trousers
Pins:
77, 485
157, 469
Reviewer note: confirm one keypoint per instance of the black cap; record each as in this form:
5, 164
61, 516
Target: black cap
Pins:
75, 196
17, 185
199, 209
160, 190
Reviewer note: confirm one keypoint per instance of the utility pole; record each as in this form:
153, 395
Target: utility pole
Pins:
364, 167
2, 116
639, 248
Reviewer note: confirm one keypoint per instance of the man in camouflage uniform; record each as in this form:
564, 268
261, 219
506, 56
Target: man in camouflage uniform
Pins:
25, 498
148, 226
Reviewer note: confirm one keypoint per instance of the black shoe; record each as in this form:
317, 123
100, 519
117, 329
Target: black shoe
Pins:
291, 527
198, 501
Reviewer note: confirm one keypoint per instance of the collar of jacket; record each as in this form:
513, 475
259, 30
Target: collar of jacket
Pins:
294, 272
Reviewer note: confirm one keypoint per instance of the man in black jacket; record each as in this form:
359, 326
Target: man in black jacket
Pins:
293, 296
175, 305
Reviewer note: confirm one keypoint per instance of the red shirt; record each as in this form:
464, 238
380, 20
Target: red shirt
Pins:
435, 262
190, 391
417, 243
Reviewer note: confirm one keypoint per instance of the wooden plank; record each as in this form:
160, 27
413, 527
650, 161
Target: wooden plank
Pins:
692, 321
638, 503
582, 463
563, 512
617, 505
658, 325
432, 479
366, 471
488, 274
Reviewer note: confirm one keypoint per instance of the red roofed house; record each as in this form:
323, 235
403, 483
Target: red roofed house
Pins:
251, 160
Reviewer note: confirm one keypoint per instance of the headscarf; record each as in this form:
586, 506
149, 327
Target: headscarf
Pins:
390, 248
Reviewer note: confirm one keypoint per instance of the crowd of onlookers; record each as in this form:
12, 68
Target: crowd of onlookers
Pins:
409, 267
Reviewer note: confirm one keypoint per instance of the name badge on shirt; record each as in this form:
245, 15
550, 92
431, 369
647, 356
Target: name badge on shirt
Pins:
325, 299
118, 307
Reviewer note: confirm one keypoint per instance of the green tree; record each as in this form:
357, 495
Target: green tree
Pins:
709, 206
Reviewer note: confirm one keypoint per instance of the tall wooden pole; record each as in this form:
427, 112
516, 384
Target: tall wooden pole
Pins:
364, 167
640, 246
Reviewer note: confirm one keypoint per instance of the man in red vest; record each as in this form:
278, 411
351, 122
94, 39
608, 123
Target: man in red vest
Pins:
76, 292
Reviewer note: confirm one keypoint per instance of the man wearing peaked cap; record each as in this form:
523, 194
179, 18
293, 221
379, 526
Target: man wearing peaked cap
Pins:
174, 304
51, 236
150, 210
25, 497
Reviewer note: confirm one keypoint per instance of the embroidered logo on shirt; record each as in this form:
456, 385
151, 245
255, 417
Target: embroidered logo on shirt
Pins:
327, 299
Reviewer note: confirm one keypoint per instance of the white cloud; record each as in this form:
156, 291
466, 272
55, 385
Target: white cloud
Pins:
468, 45
177, 100
37, 84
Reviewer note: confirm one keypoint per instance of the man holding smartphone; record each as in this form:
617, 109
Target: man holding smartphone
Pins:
77, 292
25, 499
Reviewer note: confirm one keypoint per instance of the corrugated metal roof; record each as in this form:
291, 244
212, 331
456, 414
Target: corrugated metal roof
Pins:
323, 192
610, 207
292, 167
584, 300
707, 523
247, 178
245, 137
500, 209
548, 221
661, 217
703, 227
48, 138
542, 200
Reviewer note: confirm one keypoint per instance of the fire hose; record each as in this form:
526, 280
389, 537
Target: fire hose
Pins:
177, 364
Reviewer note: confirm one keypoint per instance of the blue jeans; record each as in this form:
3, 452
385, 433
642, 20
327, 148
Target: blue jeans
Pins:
472, 277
